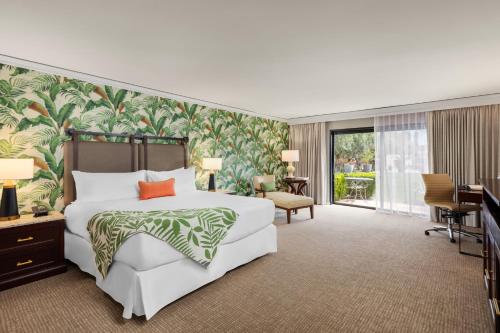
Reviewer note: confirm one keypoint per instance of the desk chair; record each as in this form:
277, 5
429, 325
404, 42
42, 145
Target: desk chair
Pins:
440, 193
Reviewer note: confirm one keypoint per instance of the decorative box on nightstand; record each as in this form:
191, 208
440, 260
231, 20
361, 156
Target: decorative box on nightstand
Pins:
31, 248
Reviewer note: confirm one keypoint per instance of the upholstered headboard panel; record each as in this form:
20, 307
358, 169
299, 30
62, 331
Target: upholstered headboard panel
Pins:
137, 154
160, 157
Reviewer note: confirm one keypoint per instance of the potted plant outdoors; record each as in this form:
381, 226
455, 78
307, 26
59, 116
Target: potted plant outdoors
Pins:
367, 161
349, 167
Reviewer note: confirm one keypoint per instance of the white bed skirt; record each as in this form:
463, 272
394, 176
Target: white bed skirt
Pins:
146, 292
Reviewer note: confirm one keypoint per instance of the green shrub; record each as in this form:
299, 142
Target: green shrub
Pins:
341, 184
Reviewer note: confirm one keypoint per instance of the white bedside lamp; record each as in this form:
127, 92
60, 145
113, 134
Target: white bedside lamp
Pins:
212, 164
11, 170
290, 156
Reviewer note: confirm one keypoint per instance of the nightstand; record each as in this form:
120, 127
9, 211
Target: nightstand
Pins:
31, 248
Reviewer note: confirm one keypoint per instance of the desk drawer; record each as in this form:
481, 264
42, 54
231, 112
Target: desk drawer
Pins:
27, 258
30, 234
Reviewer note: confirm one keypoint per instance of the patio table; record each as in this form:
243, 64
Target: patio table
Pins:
358, 186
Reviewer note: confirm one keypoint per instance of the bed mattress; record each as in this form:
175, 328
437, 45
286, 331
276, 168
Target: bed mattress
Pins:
144, 252
146, 292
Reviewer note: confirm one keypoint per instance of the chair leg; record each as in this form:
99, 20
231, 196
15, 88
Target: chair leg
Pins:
450, 231
311, 210
452, 219
288, 215
435, 229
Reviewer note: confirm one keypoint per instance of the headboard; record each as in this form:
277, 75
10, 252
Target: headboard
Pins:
138, 152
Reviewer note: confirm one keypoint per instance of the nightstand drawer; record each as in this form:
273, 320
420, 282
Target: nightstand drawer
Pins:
27, 258
26, 235
31, 248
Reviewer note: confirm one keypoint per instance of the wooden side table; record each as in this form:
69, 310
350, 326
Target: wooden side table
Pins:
297, 184
31, 248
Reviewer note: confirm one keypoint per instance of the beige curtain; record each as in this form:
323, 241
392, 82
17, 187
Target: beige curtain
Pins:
309, 140
465, 143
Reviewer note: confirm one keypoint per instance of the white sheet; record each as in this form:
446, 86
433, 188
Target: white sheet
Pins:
146, 292
142, 251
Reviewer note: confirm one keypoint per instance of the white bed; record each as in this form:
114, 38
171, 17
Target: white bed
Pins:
147, 273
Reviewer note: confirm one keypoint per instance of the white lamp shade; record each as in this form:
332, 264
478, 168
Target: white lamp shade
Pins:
16, 168
212, 163
290, 155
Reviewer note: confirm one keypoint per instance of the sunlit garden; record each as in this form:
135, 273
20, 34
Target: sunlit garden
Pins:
354, 169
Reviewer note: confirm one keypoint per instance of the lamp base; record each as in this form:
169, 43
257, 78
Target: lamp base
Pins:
211, 183
9, 218
8, 207
291, 169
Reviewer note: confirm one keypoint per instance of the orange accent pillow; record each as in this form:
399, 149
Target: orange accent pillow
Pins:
149, 190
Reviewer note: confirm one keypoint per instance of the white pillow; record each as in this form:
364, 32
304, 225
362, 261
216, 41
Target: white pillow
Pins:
93, 186
184, 179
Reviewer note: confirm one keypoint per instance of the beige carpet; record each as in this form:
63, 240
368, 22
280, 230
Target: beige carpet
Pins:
349, 270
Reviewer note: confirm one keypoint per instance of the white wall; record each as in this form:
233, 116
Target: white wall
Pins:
338, 125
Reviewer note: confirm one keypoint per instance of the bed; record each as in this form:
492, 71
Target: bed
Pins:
147, 273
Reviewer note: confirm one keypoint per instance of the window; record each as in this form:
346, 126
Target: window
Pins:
353, 167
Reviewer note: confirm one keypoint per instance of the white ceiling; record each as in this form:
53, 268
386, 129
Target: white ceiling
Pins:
279, 58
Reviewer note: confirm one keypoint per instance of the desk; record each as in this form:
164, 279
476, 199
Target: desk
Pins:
470, 196
297, 184
475, 197
466, 196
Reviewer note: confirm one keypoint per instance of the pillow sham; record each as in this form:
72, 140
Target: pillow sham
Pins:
96, 186
184, 179
149, 190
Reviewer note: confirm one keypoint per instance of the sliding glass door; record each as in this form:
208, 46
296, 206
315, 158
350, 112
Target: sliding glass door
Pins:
353, 167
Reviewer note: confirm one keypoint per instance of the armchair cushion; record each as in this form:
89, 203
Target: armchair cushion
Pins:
257, 180
287, 200
268, 187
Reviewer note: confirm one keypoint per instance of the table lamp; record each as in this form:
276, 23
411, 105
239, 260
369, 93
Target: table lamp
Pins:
10, 171
212, 164
290, 156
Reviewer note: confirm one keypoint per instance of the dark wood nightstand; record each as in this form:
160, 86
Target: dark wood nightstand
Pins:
31, 248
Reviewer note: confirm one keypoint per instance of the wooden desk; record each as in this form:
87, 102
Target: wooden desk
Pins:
470, 196
475, 197
297, 184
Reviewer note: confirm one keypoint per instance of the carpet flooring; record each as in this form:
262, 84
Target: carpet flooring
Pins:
349, 270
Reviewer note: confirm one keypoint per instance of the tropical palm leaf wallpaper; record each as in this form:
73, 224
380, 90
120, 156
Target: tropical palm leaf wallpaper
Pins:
36, 108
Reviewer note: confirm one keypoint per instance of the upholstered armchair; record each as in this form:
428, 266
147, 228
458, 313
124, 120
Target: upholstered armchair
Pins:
282, 199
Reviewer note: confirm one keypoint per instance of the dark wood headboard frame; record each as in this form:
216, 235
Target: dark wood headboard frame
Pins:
140, 147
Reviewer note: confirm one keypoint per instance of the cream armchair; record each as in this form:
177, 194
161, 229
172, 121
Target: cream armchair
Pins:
258, 180
283, 200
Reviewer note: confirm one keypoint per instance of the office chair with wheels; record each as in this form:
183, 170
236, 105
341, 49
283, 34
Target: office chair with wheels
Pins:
440, 193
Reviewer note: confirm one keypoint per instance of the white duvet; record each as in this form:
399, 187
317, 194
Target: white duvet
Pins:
142, 251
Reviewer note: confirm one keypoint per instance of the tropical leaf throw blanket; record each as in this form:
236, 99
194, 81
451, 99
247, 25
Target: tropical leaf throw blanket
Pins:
196, 233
